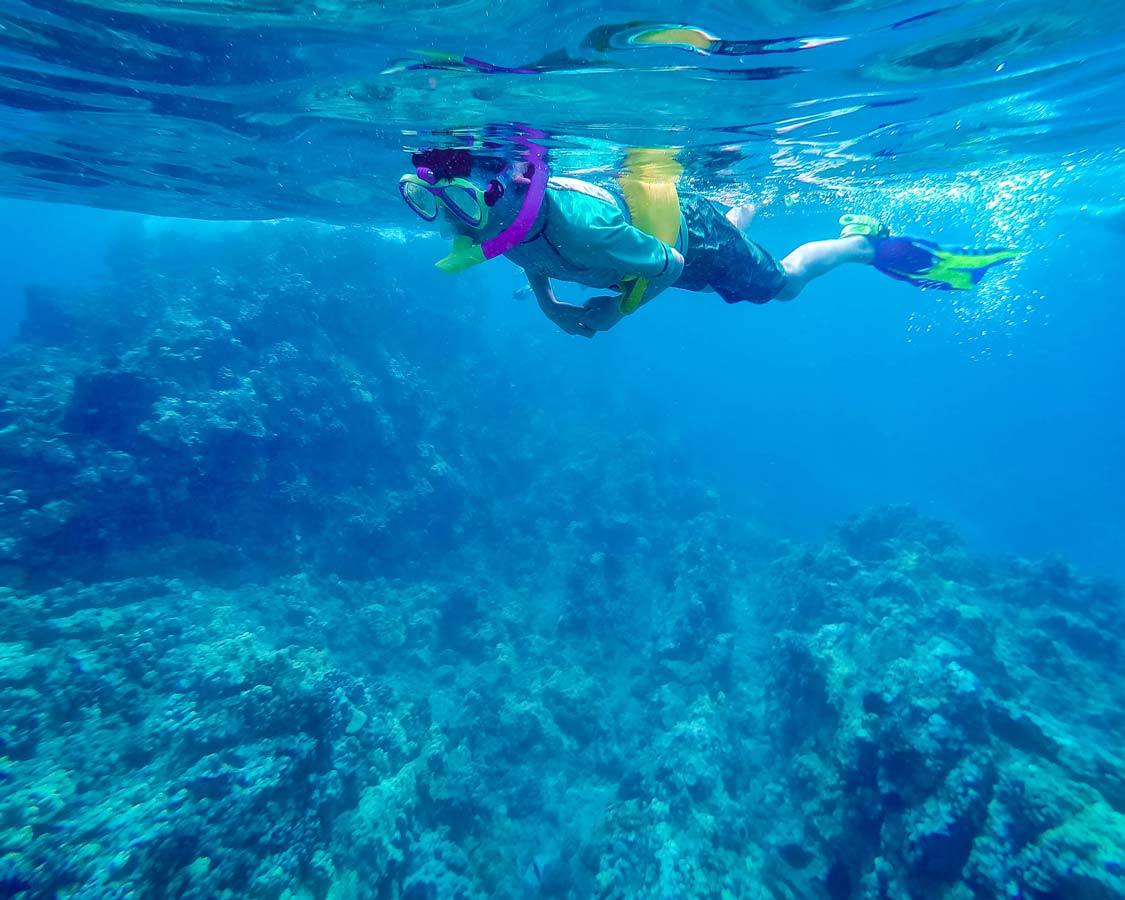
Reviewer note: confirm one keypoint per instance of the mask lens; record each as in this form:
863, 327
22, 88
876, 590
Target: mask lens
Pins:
464, 203
419, 199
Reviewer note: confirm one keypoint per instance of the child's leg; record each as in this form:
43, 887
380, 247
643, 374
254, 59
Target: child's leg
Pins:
810, 261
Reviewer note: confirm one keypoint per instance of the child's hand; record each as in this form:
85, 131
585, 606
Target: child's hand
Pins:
569, 318
602, 313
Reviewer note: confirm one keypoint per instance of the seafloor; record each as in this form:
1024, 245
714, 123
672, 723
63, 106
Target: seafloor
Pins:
313, 590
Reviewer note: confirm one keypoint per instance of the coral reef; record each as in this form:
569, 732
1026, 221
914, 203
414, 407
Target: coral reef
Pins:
303, 601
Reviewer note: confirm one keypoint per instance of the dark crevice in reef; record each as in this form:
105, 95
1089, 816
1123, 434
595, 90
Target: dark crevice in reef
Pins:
301, 599
110, 406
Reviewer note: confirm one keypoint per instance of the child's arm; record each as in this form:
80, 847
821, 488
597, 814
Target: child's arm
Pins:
565, 315
652, 267
641, 255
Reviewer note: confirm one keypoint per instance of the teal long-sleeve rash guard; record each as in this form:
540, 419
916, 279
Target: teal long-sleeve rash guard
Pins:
583, 235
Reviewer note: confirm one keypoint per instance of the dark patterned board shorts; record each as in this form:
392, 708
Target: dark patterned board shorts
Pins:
723, 258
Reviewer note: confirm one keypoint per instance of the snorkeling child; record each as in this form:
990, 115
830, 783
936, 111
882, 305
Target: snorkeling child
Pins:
645, 238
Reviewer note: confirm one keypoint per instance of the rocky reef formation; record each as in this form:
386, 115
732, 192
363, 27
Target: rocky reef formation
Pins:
948, 721
312, 593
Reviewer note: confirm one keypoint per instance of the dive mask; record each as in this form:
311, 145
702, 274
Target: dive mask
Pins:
424, 193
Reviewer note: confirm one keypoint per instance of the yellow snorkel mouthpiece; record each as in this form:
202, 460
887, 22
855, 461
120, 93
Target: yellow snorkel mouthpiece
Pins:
464, 254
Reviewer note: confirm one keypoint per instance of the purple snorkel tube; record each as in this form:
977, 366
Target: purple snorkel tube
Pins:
529, 209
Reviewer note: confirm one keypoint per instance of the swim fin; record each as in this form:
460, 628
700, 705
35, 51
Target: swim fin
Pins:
867, 226
686, 37
925, 264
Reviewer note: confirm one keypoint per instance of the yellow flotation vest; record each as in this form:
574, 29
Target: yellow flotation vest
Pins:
648, 184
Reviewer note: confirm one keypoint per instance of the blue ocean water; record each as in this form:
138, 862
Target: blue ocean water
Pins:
47, 244
324, 574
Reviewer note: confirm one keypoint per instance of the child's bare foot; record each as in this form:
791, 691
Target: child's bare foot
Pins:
741, 216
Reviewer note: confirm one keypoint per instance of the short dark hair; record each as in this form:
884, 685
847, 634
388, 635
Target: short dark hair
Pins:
455, 163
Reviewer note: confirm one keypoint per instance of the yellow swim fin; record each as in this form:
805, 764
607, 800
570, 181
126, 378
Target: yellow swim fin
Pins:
684, 36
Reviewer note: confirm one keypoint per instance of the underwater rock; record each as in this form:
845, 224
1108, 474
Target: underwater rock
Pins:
1080, 858
110, 406
280, 617
218, 379
921, 687
208, 743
